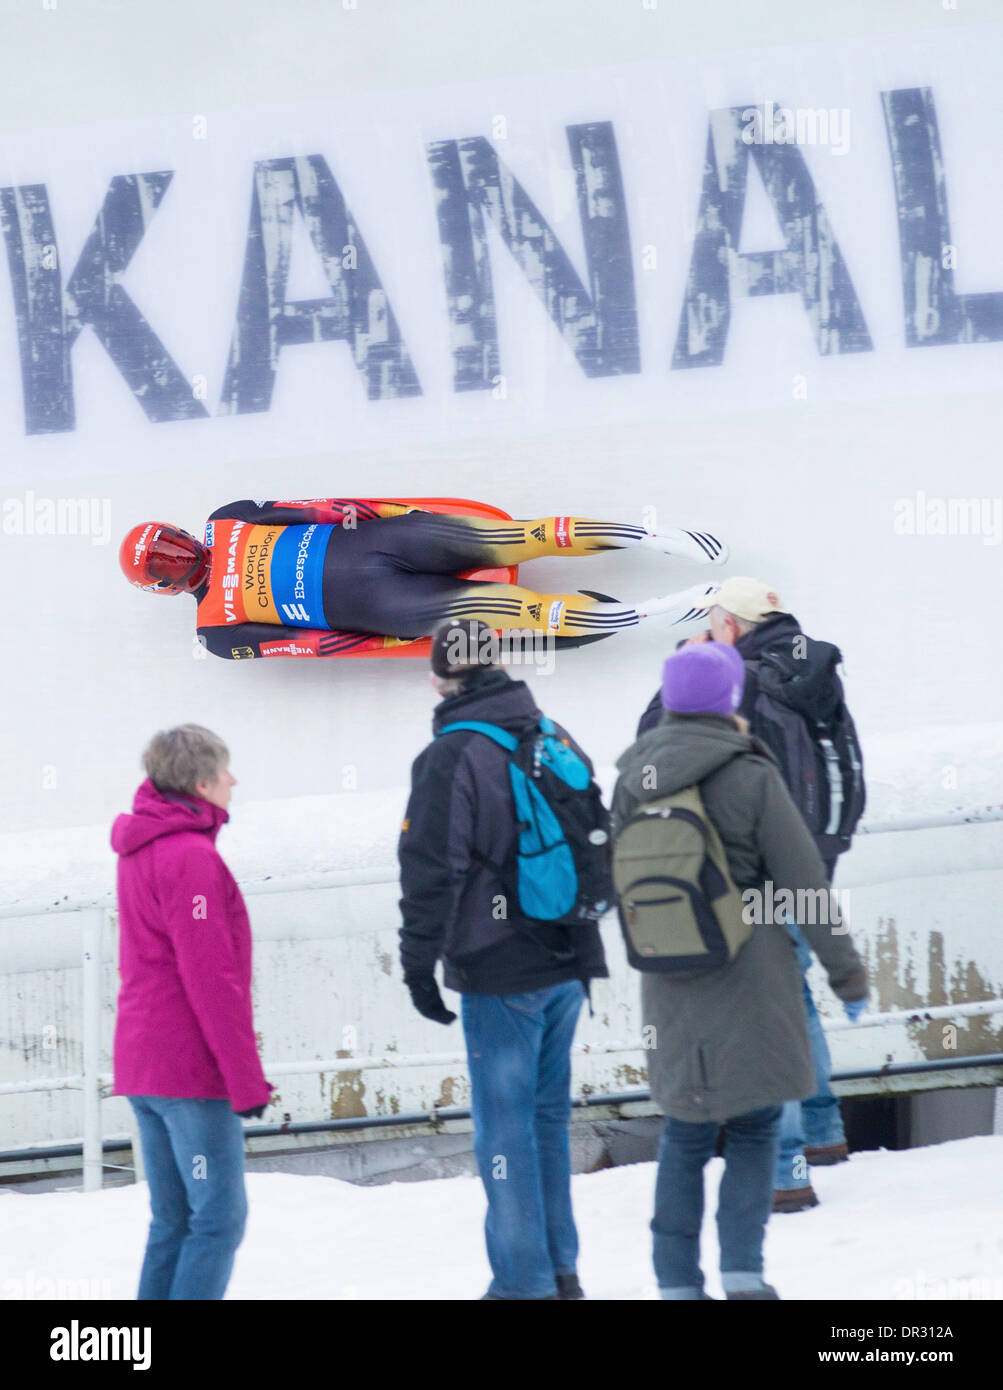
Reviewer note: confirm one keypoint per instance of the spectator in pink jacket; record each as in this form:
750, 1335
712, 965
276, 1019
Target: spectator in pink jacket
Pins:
185, 1052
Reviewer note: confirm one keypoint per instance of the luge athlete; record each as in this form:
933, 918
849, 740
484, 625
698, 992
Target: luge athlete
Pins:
329, 576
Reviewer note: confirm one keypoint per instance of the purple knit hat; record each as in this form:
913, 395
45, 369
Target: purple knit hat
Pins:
704, 679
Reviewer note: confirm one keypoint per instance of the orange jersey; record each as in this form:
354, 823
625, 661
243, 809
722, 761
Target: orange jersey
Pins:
264, 574
267, 559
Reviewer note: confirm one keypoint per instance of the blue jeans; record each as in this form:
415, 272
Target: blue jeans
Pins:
815, 1122
745, 1200
194, 1156
519, 1053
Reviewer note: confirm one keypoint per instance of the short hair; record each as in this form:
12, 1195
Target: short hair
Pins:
448, 686
743, 624
179, 760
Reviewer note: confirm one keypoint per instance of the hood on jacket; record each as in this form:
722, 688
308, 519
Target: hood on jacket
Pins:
493, 698
156, 813
806, 682
778, 630
685, 748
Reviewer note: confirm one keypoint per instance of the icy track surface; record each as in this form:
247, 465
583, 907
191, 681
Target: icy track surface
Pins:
920, 1224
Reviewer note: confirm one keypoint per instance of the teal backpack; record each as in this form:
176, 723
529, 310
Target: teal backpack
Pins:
559, 870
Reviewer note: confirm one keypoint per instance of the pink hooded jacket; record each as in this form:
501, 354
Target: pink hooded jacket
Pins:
184, 1025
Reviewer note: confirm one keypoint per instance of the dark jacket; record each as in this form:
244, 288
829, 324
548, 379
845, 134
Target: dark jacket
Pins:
460, 821
779, 629
818, 695
734, 1039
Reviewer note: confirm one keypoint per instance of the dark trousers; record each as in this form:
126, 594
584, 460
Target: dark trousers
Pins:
744, 1201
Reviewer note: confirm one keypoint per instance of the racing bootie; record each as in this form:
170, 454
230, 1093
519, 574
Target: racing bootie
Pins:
688, 605
682, 544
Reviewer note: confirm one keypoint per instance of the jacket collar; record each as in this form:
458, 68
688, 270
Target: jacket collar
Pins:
157, 813
493, 698
778, 627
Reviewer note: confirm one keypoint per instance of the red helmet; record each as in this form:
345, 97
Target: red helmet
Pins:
163, 559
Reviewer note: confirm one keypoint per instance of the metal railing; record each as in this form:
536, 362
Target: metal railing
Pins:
93, 912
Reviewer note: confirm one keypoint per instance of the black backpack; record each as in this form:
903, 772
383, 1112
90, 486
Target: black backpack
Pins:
800, 714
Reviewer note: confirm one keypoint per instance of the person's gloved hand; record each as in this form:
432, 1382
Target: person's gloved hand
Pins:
255, 1112
428, 1001
853, 1008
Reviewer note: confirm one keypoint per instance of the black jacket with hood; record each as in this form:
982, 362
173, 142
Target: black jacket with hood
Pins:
815, 694
460, 821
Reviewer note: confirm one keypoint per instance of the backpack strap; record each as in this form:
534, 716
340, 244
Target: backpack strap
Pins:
509, 742
500, 736
497, 735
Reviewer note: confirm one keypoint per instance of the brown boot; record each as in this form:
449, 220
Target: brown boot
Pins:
828, 1153
794, 1198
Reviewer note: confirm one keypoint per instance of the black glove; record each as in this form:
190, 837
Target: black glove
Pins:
427, 1000
255, 1113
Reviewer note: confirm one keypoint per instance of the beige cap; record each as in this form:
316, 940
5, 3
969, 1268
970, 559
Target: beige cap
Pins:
747, 598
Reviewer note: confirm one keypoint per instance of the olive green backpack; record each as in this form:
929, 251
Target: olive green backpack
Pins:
679, 907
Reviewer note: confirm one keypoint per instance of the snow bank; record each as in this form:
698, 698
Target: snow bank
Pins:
351, 831
915, 772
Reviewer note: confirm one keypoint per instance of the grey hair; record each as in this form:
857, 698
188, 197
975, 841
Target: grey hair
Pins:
744, 625
180, 759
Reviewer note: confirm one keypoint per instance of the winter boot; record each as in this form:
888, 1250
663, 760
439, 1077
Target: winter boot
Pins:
745, 1284
500, 1298
826, 1154
568, 1286
794, 1198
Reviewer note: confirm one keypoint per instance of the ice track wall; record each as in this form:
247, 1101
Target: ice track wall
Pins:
736, 266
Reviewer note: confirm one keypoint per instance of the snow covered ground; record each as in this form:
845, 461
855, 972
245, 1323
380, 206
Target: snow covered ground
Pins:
920, 1224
